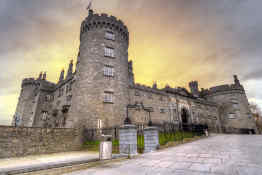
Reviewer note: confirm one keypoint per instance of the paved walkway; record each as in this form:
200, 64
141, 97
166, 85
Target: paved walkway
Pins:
38, 162
217, 155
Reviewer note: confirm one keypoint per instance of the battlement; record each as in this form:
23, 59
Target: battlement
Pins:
179, 90
222, 88
103, 20
193, 84
30, 82
148, 89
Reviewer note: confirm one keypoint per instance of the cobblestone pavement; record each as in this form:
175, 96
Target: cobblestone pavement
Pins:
220, 154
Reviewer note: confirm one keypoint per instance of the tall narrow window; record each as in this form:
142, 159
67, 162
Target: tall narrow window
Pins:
61, 92
108, 97
110, 35
109, 52
44, 115
109, 71
99, 124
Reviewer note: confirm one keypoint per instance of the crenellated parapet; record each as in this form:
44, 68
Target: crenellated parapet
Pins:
148, 89
223, 89
94, 21
30, 82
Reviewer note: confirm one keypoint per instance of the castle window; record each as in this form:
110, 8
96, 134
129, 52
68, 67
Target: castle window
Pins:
236, 106
99, 124
61, 92
162, 110
109, 52
110, 35
137, 93
108, 97
231, 116
48, 98
109, 71
44, 115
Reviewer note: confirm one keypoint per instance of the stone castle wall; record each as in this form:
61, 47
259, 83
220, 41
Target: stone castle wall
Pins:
234, 109
86, 105
22, 141
167, 108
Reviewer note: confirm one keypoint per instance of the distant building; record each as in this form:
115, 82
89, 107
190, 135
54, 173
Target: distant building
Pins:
96, 95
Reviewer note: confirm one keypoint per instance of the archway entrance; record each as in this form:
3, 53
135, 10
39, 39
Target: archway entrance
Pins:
184, 118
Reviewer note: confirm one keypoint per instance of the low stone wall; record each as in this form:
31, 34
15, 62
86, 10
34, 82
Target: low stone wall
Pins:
22, 141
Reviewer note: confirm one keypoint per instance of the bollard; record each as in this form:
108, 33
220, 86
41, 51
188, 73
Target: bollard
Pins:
105, 149
206, 132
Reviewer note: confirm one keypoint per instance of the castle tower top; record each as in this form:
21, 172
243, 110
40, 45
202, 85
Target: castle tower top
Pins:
94, 21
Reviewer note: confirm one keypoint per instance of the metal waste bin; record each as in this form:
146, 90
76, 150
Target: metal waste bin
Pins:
105, 151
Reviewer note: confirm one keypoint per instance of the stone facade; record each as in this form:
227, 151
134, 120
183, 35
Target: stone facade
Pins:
21, 141
96, 95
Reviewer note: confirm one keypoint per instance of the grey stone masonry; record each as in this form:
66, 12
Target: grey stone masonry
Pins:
128, 140
23, 141
151, 139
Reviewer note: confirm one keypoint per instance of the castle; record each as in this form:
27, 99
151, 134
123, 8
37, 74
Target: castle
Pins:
102, 91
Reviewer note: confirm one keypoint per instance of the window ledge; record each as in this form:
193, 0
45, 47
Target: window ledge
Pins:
109, 57
107, 102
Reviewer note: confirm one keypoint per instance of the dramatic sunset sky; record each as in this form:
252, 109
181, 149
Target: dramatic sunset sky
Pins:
171, 41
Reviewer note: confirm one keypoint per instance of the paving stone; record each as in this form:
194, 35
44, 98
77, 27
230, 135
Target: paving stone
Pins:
216, 155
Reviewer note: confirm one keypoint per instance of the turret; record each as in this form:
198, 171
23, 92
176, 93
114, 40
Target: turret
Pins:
40, 76
61, 78
70, 70
194, 88
102, 75
44, 76
236, 80
155, 85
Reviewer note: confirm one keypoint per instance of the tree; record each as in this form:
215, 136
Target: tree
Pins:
257, 114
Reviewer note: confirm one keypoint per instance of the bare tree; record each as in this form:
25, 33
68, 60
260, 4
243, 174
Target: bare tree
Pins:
257, 114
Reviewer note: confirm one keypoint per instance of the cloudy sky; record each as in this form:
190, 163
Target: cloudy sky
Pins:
171, 42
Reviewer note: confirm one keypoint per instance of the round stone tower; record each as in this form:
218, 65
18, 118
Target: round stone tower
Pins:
100, 93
